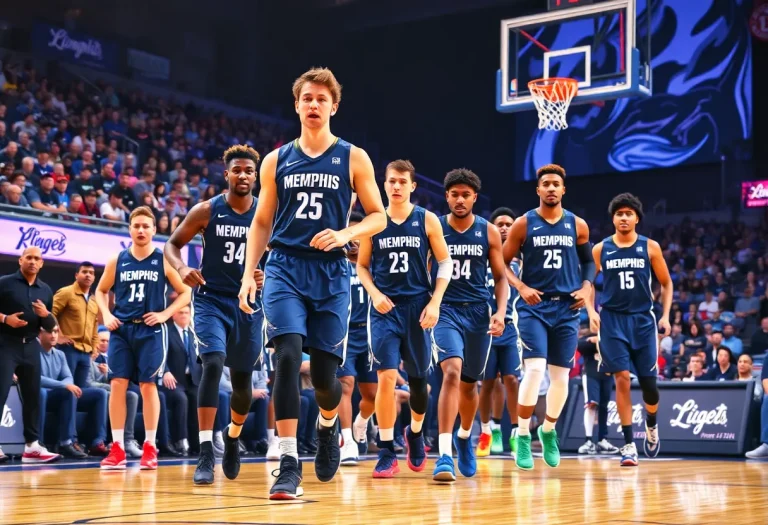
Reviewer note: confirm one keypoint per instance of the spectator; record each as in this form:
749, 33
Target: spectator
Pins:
695, 369
163, 224
85, 183
747, 308
708, 307
90, 207
64, 398
125, 192
731, 341
108, 180
14, 197
759, 341
11, 155
113, 209
46, 199
724, 370
77, 312
695, 342
75, 203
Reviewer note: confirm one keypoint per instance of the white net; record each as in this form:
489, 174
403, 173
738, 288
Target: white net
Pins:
552, 97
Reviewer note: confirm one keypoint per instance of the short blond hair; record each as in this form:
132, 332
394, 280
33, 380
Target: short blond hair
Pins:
318, 75
142, 211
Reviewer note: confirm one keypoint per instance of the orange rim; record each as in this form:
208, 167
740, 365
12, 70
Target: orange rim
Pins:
554, 89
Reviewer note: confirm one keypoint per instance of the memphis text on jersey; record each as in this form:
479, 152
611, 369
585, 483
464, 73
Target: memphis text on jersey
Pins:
404, 241
627, 262
311, 180
474, 250
139, 275
552, 240
228, 230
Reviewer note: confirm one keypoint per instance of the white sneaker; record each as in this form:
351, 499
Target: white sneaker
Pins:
360, 433
38, 454
132, 449
349, 454
218, 444
605, 447
760, 452
629, 455
588, 448
273, 451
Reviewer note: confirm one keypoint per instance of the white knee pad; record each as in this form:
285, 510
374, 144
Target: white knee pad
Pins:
533, 375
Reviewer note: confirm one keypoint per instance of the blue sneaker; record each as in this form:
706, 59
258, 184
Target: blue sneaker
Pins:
387, 466
467, 461
415, 455
444, 470
628, 455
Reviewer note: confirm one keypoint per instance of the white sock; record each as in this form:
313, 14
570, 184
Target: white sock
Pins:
328, 423
387, 434
205, 435
548, 425
590, 413
464, 434
445, 445
270, 434
556, 395
523, 426
234, 430
485, 428
416, 425
360, 420
118, 436
346, 433
494, 425
150, 437
288, 447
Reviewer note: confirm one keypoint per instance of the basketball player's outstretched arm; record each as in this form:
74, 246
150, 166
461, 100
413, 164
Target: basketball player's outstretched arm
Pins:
106, 283
364, 185
195, 222
594, 318
182, 300
501, 286
380, 302
582, 295
510, 250
439, 249
261, 230
661, 271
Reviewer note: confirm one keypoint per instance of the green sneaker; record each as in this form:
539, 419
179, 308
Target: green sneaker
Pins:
513, 442
550, 448
524, 458
497, 447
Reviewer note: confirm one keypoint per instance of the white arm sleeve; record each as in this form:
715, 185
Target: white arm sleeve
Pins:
445, 269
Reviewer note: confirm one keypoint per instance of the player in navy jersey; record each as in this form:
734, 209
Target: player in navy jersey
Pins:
504, 358
139, 277
462, 336
357, 366
555, 284
303, 212
626, 325
393, 267
225, 335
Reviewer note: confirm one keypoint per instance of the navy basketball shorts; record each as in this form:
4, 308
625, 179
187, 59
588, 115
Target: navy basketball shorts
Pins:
137, 352
222, 327
398, 335
310, 297
462, 331
504, 358
549, 330
358, 362
628, 339
597, 385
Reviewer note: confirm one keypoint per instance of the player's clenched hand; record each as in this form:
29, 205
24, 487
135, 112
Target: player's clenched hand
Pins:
664, 327
530, 295
430, 315
258, 277
153, 318
594, 323
580, 297
191, 277
496, 327
247, 293
329, 239
382, 303
111, 322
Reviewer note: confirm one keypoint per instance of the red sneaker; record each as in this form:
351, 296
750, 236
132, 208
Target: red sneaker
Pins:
99, 450
149, 457
115, 460
39, 455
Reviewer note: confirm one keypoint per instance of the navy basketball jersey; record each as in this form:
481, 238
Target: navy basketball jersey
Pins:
313, 194
626, 277
399, 257
359, 298
140, 286
549, 256
224, 246
513, 293
469, 251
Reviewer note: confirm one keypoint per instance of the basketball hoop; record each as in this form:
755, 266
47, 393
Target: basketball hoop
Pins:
552, 97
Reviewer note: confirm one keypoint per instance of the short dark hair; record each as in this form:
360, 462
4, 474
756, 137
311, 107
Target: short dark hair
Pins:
356, 216
498, 212
550, 169
403, 166
626, 200
85, 264
462, 176
240, 151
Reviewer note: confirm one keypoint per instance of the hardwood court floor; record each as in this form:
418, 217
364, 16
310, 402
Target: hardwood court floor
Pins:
591, 490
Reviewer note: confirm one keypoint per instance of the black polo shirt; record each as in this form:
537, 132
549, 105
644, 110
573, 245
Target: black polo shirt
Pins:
17, 295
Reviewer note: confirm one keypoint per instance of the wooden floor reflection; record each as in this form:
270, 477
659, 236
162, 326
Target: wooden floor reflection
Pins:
591, 490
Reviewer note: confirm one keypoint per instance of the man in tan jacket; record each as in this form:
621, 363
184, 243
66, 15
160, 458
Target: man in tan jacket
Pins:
75, 308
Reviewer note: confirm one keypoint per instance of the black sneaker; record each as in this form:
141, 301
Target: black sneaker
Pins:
328, 455
205, 465
72, 451
230, 462
288, 482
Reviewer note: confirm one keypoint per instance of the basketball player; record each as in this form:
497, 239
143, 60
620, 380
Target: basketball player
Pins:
225, 335
138, 343
462, 336
626, 324
393, 268
303, 211
358, 364
556, 283
504, 358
